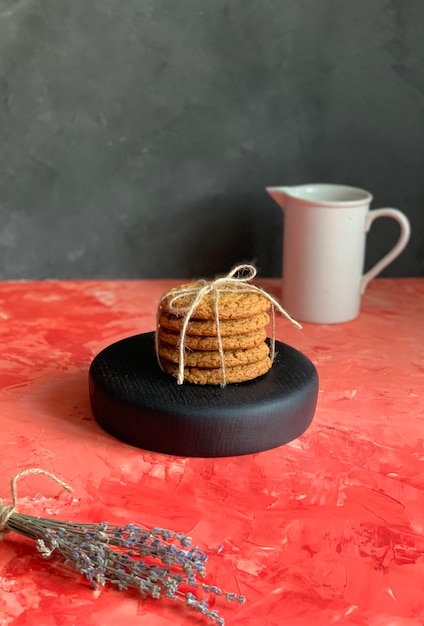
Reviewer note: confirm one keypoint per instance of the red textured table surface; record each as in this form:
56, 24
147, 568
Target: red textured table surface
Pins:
328, 529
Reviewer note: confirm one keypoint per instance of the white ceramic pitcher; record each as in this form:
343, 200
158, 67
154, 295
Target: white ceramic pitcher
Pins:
325, 230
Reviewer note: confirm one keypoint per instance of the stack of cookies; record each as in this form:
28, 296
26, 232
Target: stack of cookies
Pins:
242, 317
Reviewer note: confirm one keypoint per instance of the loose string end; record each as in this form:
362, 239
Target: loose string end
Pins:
7, 511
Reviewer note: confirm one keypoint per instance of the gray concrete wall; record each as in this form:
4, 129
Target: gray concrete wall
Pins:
137, 136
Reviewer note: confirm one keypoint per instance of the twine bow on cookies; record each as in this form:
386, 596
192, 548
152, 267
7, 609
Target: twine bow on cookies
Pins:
237, 280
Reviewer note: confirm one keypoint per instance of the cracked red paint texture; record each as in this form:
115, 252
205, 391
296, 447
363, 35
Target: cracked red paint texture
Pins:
328, 529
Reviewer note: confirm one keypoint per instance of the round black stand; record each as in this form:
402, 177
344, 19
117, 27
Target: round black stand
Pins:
133, 400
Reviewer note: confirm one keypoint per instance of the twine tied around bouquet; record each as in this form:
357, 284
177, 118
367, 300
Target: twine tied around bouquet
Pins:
7, 510
237, 280
154, 562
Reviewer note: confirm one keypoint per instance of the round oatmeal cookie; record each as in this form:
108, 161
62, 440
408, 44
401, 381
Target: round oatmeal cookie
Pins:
211, 358
207, 328
204, 376
233, 303
229, 342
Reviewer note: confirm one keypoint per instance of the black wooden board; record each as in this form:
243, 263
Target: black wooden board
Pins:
133, 400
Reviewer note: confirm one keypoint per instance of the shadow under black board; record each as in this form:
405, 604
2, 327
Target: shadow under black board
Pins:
65, 399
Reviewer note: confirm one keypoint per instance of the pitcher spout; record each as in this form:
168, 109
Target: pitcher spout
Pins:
280, 194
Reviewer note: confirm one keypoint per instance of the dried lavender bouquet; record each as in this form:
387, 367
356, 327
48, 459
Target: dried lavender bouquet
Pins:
155, 562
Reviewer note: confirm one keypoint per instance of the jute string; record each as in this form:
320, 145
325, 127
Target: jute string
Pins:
7, 510
235, 281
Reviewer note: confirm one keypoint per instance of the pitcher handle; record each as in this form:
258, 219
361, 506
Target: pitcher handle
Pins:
405, 233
